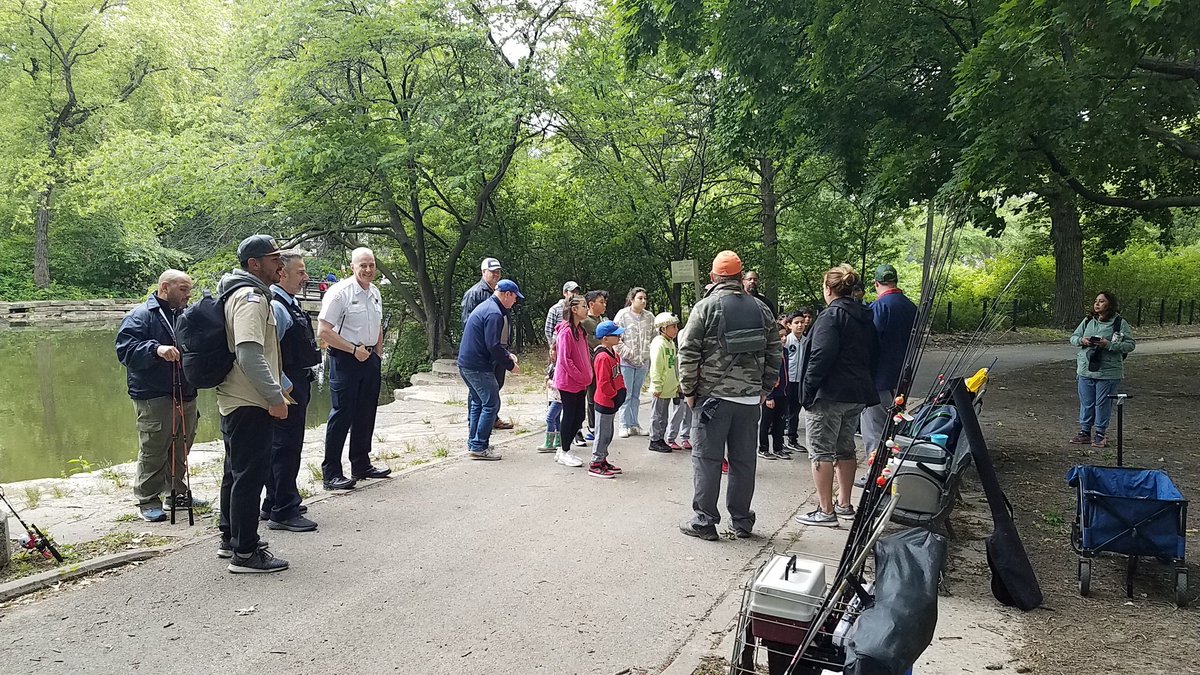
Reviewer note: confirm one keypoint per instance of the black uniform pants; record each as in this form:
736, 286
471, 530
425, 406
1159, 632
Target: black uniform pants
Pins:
354, 392
287, 442
247, 433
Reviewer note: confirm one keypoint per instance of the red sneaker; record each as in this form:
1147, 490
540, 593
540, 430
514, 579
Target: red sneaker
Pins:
687, 445
674, 446
599, 470
610, 467
724, 466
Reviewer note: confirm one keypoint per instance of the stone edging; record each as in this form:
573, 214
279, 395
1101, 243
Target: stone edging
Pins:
58, 313
18, 587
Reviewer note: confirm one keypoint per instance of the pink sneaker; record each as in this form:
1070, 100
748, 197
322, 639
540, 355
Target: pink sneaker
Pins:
674, 446
687, 445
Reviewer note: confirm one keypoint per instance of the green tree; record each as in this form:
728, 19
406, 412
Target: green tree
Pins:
399, 121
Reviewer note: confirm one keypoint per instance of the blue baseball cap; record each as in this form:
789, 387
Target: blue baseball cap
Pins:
607, 328
509, 286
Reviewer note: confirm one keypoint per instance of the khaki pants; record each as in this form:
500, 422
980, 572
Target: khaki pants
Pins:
155, 433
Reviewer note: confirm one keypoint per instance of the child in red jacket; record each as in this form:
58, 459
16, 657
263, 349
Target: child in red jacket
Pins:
610, 395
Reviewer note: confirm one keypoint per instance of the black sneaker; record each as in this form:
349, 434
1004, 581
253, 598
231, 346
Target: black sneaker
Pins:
659, 446
766, 454
296, 524
780, 454
225, 549
259, 562
692, 530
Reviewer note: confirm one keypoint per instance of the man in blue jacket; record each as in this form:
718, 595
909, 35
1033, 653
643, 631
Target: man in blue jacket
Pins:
164, 400
894, 315
483, 353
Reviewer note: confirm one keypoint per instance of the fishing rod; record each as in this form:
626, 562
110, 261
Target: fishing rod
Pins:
35, 539
179, 437
873, 514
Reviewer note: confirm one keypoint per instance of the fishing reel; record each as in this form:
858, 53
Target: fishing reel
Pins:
36, 542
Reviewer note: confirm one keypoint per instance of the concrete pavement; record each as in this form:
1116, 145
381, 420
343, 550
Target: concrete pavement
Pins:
518, 566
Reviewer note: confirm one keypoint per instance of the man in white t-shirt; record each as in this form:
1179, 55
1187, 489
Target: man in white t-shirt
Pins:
351, 324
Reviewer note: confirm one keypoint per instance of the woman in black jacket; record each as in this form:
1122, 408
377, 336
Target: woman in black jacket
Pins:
837, 382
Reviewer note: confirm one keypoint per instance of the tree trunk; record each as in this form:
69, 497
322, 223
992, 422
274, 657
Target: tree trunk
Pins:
769, 203
41, 238
1067, 239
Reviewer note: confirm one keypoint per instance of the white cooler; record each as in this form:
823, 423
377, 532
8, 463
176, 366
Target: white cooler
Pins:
785, 597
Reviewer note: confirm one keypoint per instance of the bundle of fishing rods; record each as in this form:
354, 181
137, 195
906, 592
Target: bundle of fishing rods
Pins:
875, 507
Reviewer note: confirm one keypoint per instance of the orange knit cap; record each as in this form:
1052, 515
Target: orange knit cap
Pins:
727, 264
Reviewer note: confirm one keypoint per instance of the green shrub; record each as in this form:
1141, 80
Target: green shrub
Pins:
409, 353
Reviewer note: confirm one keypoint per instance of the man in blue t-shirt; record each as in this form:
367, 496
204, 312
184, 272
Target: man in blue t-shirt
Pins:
894, 315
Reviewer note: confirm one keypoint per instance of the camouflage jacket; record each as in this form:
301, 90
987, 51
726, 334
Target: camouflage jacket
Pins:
707, 370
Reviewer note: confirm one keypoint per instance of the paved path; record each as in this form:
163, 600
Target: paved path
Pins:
519, 566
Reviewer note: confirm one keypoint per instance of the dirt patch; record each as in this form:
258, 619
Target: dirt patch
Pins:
1028, 418
25, 563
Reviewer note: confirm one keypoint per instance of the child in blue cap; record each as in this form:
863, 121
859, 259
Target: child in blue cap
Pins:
610, 394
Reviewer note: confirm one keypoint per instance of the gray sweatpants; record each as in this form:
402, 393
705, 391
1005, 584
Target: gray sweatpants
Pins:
604, 435
874, 418
731, 432
678, 424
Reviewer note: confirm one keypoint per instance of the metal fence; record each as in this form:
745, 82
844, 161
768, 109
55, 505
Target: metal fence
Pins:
1030, 314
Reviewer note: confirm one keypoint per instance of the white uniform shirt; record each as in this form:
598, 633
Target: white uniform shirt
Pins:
356, 313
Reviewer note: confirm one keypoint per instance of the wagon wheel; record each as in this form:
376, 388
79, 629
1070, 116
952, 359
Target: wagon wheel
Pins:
1085, 576
1181, 599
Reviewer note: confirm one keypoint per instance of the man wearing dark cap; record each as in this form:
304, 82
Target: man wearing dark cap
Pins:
894, 315
251, 395
483, 353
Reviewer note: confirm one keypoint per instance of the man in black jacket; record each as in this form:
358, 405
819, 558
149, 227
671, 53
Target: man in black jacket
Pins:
164, 400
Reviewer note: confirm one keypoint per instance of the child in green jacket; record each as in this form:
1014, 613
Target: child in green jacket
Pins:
664, 390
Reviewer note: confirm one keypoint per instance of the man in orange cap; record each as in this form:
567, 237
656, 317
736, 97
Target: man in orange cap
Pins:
729, 355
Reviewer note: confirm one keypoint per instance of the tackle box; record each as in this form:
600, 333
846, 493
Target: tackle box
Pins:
785, 597
921, 477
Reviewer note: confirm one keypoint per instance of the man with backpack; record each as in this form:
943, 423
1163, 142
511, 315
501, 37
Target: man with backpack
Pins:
729, 356
249, 398
163, 398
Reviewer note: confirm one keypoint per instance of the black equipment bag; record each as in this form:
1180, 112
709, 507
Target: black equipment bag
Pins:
200, 336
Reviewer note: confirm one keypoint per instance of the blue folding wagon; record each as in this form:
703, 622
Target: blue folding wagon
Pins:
1134, 512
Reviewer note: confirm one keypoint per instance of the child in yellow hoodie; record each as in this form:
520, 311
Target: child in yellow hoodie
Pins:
664, 389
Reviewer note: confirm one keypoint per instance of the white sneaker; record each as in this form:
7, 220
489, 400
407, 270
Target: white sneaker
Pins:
624, 433
637, 431
567, 458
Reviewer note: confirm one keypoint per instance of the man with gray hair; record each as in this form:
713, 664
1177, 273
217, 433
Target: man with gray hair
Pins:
351, 324
164, 400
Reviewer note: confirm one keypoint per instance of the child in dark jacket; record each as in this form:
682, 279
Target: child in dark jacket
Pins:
610, 395
775, 412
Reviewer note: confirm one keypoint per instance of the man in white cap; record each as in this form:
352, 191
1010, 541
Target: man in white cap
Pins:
489, 273
555, 315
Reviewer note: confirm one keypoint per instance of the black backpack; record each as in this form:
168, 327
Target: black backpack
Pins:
200, 336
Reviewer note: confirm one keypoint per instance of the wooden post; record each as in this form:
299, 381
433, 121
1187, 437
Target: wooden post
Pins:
1162, 310
1179, 314
949, 316
1014, 314
1138, 323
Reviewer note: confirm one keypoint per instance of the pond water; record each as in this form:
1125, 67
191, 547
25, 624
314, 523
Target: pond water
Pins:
63, 396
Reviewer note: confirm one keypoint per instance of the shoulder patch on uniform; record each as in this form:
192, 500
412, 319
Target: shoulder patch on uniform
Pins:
254, 297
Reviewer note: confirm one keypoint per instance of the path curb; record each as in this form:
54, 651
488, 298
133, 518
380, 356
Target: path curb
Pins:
19, 587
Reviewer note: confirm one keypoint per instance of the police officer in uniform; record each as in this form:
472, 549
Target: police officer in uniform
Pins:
298, 352
351, 324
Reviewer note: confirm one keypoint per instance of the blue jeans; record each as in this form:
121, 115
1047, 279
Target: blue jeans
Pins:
635, 377
553, 417
483, 404
1094, 404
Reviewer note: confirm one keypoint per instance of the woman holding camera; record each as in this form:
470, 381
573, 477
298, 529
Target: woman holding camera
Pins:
1104, 340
